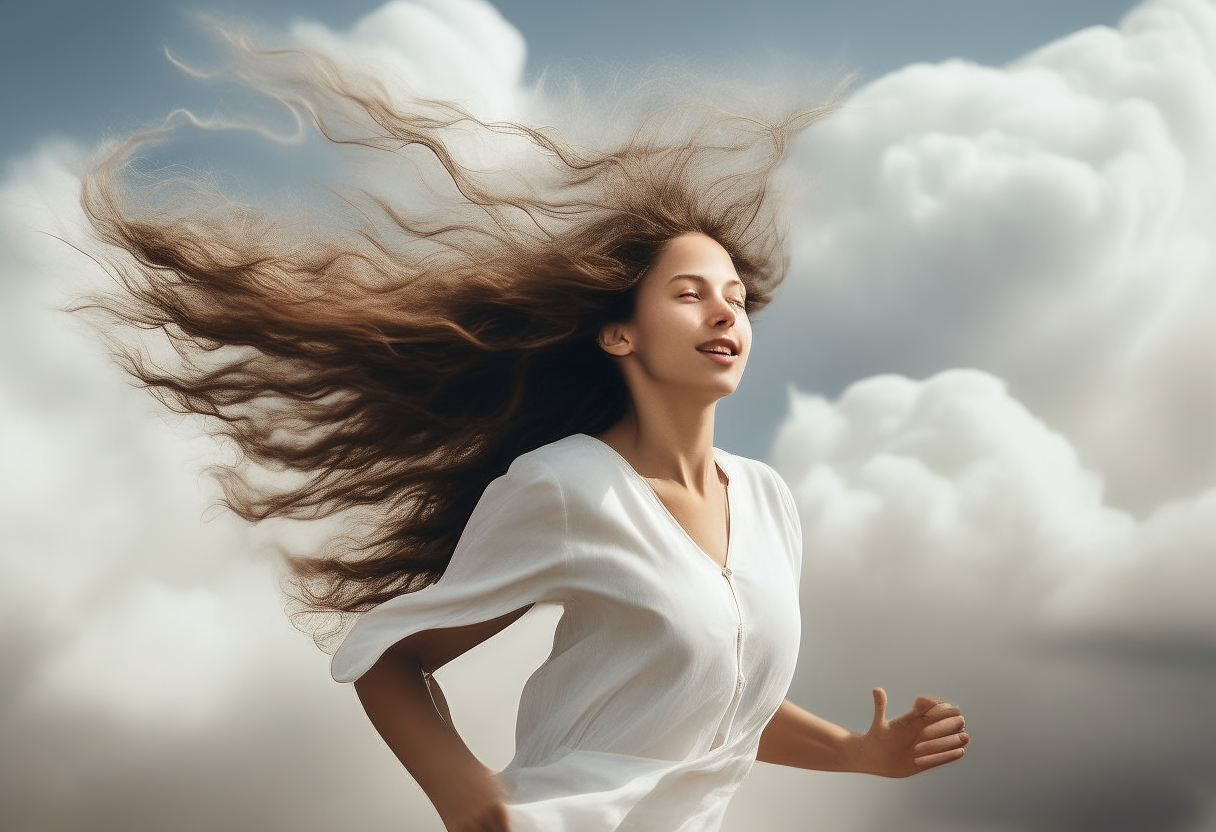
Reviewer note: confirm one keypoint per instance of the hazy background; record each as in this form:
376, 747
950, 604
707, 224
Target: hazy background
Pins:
990, 381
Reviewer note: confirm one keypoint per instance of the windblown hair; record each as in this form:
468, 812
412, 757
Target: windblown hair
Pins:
392, 362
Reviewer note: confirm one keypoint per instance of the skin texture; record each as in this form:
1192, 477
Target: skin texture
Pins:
466, 794
689, 301
690, 304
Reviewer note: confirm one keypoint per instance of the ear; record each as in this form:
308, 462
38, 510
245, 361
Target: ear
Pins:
614, 339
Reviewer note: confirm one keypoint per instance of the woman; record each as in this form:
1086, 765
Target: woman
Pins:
509, 392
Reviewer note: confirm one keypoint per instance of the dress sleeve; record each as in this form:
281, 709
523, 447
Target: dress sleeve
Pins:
514, 551
793, 524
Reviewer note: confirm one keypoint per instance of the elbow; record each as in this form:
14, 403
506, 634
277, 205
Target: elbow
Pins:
392, 668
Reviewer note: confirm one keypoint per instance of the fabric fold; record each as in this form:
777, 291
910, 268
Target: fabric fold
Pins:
666, 665
513, 552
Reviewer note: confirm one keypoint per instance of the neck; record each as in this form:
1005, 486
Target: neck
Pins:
665, 438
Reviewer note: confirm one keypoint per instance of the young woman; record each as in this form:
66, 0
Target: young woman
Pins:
510, 393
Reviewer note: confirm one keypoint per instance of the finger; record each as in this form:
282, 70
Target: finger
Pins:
941, 728
939, 759
931, 747
924, 703
939, 710
880, 708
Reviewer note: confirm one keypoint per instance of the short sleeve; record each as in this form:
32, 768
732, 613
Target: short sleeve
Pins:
513, 552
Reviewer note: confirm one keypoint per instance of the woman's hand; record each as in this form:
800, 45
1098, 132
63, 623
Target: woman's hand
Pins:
929, 735
472, 804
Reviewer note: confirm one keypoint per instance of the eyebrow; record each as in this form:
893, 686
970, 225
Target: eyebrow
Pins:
700, 279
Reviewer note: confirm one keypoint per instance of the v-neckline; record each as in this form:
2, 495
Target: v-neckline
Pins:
723, 567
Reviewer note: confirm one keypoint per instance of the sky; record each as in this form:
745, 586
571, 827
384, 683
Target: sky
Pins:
990, 382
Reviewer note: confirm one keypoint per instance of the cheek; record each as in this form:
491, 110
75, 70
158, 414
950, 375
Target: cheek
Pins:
667, 324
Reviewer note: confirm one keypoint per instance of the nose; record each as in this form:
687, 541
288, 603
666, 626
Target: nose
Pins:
723, 313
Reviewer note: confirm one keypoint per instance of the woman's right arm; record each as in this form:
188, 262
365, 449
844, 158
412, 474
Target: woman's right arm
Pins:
394, 693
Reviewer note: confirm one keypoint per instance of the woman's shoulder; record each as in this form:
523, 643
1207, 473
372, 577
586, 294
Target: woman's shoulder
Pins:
583, 465
571, 459
582, 458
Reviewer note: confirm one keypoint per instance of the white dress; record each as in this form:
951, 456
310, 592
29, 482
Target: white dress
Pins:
665, 668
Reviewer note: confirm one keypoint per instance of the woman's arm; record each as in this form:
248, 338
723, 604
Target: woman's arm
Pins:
394, 693
929, 735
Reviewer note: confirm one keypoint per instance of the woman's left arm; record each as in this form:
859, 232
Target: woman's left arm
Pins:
929, 735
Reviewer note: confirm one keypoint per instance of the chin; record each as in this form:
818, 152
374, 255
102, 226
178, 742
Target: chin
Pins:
723, 389
705, 386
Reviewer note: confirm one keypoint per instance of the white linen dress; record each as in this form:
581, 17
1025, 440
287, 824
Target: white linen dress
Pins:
665, 668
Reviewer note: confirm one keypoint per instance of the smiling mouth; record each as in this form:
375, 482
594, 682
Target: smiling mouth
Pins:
719, 350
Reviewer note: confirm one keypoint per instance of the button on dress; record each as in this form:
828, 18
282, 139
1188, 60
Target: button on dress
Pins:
666, 666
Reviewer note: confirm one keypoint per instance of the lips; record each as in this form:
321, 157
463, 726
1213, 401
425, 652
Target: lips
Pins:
720, 346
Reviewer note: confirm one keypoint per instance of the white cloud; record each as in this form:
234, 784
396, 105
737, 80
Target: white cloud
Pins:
156, 657
459, 50
1049, 222
957, 546
915, 486
1036, 539
149, 665
950, 489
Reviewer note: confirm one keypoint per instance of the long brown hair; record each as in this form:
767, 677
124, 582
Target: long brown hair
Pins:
391, 361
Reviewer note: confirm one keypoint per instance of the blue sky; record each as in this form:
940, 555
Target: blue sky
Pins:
85, 69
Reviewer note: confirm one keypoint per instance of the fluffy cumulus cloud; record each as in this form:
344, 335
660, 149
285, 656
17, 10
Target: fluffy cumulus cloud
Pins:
1034, 537
1049, 221
459, 50
955, 543
950, 488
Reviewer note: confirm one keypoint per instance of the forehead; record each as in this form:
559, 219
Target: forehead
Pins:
693, 254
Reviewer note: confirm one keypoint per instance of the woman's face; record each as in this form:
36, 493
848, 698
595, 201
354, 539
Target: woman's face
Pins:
689, 329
